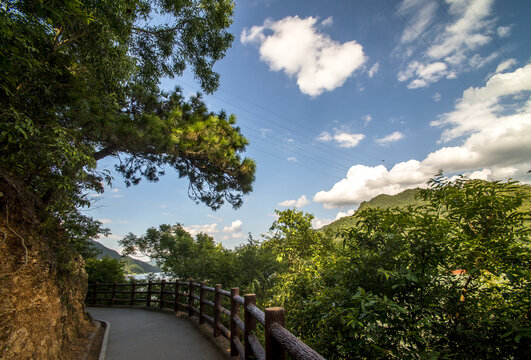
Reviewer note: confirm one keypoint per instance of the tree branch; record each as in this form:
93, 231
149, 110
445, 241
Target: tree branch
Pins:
158, 32
98, 155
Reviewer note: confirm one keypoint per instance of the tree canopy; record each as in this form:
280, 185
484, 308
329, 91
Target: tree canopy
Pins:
444, 279
80, 82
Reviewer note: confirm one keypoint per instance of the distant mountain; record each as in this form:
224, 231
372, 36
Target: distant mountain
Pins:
132, 266
403, 199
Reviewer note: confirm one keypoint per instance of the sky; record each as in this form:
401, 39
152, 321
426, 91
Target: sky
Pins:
345, 100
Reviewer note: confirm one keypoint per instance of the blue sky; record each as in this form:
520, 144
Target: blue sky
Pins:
345, 100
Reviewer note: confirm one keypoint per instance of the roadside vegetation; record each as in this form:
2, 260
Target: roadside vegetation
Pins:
445, 276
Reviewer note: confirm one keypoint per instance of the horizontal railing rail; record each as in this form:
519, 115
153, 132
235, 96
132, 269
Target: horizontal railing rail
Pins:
241, 333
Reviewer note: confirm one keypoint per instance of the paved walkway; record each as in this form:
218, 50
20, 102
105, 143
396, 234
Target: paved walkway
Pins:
143, 334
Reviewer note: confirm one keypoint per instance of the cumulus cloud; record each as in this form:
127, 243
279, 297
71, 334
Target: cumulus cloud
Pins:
397, 135
297, 47
328, 21
503, 31
207, 229
507, 64
235, 226
422, 75
299, 203
319, 223
493, 123
452, 46
342, 138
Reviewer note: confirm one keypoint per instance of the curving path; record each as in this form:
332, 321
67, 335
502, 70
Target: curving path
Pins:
142, 334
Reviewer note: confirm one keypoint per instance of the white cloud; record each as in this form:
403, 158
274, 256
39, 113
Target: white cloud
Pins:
374, 69
496, 119
343, 214
423, 75
397, 135
420, 13
477, 61
328, 21
504, 31
319, 223
105, 221
298, 48
112, 237
291, 159
479, 108
235, 226
207, 229
507, 64
299, 203
452, 46
437, 97
364, 182
343, 138
366, 119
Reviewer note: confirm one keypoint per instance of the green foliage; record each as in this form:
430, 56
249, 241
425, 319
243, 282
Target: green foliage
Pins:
105, 271
444, 280
79, 82
131, 266
448, 278
383, 201
249, 266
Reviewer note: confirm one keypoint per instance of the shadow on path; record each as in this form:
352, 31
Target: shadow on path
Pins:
143, 334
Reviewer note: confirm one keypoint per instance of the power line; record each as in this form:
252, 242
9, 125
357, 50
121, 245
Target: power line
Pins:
281, 125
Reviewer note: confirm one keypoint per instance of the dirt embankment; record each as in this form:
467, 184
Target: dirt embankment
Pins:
42, 286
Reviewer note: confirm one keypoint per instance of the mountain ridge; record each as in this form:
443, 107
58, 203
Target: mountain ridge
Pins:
132, 266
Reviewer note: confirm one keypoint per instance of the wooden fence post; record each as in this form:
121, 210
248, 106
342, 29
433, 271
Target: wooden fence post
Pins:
217, 311
133, 288
176, 295
162, 289
113, 295
249, 323
201, 304
191, 298
273, 349
148, 298
94, 293
234, 329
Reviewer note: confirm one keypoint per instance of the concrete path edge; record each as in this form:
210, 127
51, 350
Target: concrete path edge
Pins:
105, 338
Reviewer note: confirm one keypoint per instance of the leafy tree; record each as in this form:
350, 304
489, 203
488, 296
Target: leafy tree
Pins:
443, 280
104, 271
178, 253
293, 239
79, 83
250, 266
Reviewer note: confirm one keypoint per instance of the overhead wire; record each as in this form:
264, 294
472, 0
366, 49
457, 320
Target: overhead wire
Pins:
347, 157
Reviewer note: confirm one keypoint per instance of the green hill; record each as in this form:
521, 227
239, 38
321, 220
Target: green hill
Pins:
132, 266
403, 199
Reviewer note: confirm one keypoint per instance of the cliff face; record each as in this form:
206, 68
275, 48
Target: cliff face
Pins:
42, 289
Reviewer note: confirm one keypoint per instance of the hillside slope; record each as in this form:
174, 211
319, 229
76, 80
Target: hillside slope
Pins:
403, 199
132, 266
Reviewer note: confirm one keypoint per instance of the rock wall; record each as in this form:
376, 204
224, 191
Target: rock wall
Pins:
41, 291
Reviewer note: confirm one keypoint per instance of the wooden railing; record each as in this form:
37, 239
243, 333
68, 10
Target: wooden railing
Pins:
170, 295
